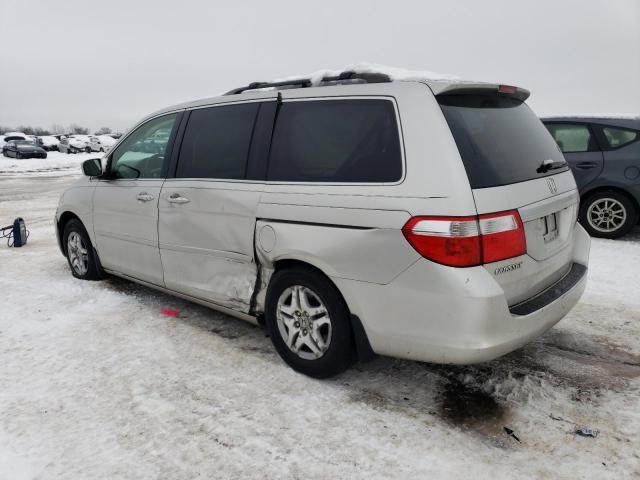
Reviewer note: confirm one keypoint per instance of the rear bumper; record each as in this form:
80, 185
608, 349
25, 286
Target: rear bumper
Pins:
458, 315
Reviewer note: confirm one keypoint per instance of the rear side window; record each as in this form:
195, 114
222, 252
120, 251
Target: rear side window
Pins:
617, 137
501, 141
216, 142
572, 138
336, 141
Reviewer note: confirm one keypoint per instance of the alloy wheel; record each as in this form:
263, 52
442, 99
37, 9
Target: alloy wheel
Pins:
606, 215
78, 253
303, 322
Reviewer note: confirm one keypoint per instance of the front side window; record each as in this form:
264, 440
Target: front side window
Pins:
216, 142
572, 138
142, 154
617, 137
344, 141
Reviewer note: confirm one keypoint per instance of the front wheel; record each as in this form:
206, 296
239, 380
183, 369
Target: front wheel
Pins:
18, 156
79, 251
608, 214
308, 322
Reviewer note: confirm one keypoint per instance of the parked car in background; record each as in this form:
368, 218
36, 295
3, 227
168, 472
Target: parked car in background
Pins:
94, 145
23, 149
107, 141
14, 136
604, 155
434, 221
72, 145
48, 142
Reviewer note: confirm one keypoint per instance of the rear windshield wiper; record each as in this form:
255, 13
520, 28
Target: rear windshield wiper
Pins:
549, 164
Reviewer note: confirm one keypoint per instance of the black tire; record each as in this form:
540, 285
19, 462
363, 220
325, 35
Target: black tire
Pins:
620, 200
68, 151
341, 352
88, 149
18, 156
94, 270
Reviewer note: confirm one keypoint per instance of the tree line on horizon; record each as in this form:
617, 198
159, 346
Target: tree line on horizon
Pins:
56, 129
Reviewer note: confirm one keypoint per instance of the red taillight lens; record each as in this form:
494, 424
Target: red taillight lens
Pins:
507, 89
467, 241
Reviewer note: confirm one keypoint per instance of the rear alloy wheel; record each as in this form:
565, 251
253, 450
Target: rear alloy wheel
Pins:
309, 323
608, 214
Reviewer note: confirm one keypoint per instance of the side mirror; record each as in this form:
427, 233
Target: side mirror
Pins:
92, 168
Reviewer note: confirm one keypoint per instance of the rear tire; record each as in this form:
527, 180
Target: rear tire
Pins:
608, 214
80, 254
316, 323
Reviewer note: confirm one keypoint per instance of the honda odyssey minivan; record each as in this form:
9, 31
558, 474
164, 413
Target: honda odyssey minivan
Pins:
426, 220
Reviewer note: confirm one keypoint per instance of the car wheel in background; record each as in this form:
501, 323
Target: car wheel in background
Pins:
608, 214
87, 149
309, 323
18, 155
79, 252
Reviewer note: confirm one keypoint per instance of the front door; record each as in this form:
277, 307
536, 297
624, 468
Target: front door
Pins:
125, 202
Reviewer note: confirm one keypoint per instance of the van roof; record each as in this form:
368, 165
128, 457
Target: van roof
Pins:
439, 84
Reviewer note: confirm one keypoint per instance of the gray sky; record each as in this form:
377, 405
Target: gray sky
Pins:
109, 63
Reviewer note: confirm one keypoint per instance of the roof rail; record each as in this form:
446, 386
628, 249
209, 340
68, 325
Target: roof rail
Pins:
342, 78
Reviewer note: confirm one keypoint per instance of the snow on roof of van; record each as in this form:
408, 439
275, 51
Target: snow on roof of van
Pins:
613, 116
394, 73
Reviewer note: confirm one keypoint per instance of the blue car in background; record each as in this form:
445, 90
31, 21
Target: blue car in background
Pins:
604, 155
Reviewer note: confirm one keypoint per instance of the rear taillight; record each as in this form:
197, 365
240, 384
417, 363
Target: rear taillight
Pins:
467, 241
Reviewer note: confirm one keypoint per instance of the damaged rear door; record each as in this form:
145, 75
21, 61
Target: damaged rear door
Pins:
207, 209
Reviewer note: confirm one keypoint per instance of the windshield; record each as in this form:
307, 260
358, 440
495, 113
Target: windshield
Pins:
24, 142
501, 141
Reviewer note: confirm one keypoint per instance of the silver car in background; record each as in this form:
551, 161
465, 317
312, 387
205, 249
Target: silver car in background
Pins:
426, 220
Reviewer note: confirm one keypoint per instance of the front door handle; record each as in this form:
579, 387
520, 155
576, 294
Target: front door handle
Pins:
586, 165
144, 197
177, 198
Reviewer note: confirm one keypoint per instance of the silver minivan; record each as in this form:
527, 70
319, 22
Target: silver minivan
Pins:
426, 220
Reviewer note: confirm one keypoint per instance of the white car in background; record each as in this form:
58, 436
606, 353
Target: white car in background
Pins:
73, 144
100, 143
48, 142
107, 141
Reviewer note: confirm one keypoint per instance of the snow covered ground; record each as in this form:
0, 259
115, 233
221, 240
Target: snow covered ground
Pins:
96, 383
56, 163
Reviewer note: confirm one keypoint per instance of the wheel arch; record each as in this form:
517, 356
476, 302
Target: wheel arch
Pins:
62, 222
361, 341
608, 188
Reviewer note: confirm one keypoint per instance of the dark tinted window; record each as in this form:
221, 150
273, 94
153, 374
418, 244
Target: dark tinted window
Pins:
572, 137
501, 141
336, 141
216, 142
617, 137
142, 154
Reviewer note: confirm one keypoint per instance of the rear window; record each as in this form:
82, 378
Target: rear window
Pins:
618, 137
344, 141
501, 141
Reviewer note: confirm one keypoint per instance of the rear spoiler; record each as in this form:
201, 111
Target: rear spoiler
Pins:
464, 88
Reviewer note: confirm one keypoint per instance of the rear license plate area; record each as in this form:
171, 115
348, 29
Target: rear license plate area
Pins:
550, 224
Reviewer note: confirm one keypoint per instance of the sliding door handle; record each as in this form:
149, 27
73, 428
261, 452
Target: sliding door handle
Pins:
144, 197
177, 198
